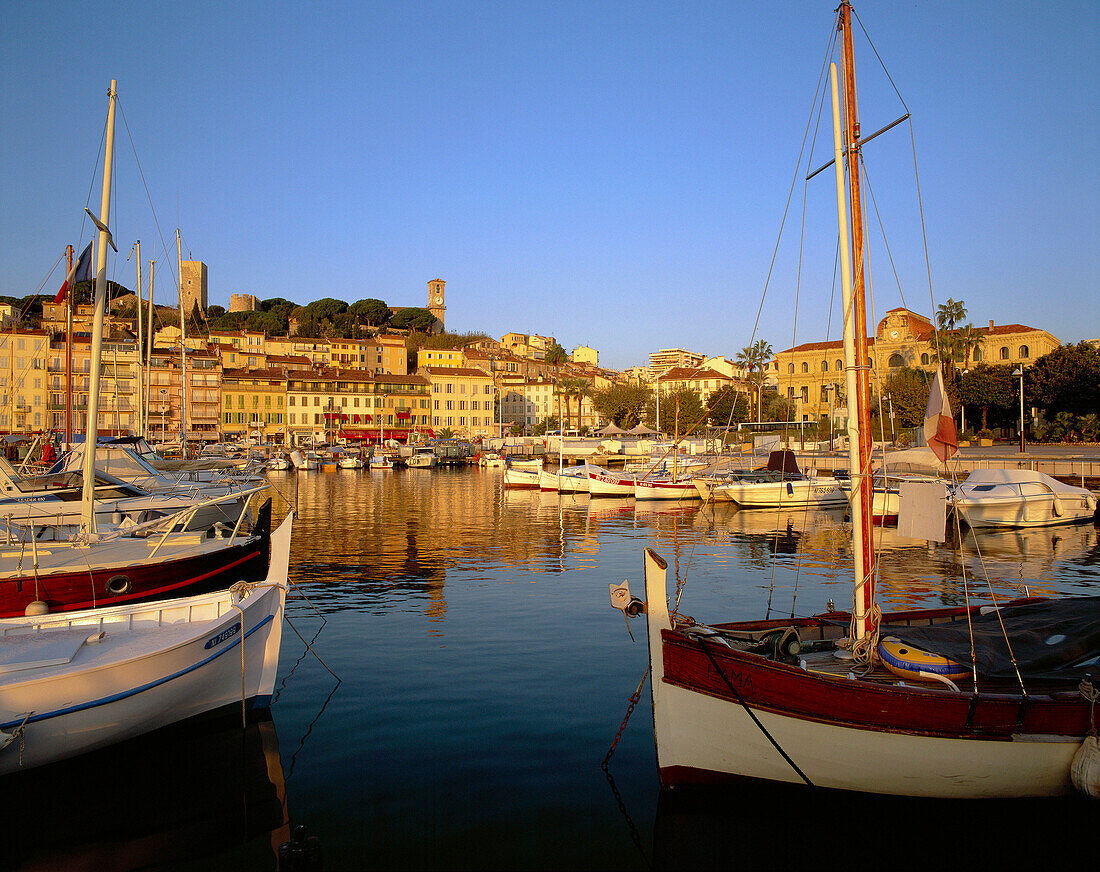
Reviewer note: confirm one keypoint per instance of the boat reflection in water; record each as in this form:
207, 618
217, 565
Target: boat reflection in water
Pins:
203, 788
759, 825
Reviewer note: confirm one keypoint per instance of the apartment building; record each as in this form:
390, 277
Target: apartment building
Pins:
440, 358
323, 405
23, 374
702, 380
118, 386
463, 400
318, 351
527, 344
666, 358
527, 402
254, 404
585, 354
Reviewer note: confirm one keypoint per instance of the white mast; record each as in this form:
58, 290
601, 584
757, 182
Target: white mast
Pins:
87, 506
139, 429
183, 348
148, 352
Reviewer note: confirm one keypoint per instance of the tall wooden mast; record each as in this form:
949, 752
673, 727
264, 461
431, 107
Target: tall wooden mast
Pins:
860, 428
87, 512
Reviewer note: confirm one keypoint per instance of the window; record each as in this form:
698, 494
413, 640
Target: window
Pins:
790, 368
924, 360
977, 355
1024, 353
1004, 352
824, 366
838, 366
896, 360
805, 367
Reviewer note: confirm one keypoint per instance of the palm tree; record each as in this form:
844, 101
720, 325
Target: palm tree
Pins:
754, 358
950, 313
968, 339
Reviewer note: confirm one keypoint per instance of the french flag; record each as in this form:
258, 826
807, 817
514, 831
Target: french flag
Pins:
939, 426
81, 272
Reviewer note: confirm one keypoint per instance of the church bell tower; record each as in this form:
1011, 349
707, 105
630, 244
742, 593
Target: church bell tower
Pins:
437, 300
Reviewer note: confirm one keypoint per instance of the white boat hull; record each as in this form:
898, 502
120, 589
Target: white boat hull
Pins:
158, 664
712, 738
610, 484
695, 731
1020, 498
567, 482
658, 489
521, 478
812, 492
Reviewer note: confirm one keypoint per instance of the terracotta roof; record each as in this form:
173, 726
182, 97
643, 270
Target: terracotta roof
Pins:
456, 370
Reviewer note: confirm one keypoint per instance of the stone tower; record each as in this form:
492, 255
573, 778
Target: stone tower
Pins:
437, 301
192, 285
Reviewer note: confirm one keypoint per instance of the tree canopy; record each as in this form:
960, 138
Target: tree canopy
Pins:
420, 320
623, 404
1065, 380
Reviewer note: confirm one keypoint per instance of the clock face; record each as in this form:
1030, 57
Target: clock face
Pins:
893, 334
438, 300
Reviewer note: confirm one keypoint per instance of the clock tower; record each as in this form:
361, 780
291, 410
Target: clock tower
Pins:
437, 300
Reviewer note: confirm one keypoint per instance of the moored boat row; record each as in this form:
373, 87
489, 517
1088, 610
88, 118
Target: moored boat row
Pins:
131, 599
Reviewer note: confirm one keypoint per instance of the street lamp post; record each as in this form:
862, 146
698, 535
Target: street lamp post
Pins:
1020, 374
962, 410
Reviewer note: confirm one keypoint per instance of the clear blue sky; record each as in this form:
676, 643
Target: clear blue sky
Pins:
612, 174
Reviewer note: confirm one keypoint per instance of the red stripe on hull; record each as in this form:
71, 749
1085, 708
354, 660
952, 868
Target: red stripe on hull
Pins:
788, 690
82, 590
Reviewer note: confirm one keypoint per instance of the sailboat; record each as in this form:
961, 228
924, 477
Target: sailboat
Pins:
47, 568
82, 680
962, 702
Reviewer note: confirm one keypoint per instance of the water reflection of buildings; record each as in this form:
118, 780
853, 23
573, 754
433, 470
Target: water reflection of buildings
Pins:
187, 794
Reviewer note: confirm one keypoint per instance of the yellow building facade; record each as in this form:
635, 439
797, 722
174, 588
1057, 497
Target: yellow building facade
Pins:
254, 404
463, 400
812, 375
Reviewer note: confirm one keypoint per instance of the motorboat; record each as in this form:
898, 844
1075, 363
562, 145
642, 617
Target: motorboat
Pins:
279, 464
380, 460
305, 461
1019, 498
422, 457
909, 465
86, 679
56, 501
780, 485
350, 460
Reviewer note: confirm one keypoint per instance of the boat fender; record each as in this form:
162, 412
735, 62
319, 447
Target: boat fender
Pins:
909, 662
1084, 771
1057, 507
117, 585
36, 608
1090, 503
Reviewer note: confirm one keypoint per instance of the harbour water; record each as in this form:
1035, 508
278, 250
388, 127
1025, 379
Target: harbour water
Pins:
483, 678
